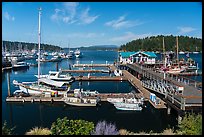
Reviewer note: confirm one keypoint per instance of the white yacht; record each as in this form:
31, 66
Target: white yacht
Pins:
20, 65
81, 102
129, 104
70, 55
77, 53
181, 52
45, 86
58, 76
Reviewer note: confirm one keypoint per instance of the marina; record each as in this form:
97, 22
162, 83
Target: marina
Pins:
136, 82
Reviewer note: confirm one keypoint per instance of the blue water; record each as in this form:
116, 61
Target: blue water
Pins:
28, 115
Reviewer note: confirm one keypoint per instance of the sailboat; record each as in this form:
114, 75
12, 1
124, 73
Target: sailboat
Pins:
70, 54
43, 85
176, 69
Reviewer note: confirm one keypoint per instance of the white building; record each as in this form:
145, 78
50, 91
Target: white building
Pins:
137, 57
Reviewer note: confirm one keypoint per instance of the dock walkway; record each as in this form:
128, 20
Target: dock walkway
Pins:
137, 83
188, 98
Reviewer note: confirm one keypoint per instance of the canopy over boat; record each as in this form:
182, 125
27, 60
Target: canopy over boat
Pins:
52, 82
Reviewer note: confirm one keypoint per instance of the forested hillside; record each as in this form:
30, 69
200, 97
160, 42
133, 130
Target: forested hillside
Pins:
155, 43
14, 46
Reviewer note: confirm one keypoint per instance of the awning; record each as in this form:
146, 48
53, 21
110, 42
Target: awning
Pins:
51, 82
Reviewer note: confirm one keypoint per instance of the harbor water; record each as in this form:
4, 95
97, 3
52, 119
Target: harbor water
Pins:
25, 116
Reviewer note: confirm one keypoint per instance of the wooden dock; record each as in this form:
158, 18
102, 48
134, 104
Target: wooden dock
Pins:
83, 71
101, 78
92, 65
103, 97
189, 96
6, 68
146, 93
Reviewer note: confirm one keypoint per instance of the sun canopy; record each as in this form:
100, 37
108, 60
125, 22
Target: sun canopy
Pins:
51, 82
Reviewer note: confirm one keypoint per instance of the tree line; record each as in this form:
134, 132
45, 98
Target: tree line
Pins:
15, 46
155, 43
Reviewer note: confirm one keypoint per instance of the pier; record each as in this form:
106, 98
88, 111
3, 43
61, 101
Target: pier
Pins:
177, 92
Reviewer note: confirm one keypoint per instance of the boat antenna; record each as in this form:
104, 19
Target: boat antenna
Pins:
39, 46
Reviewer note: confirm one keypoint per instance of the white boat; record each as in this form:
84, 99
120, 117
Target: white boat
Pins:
20, 65
82, 102
56, 58
77, 53
176, 70
128, 106
181, 52
81, 92
118, 72
195, 52
70, 55
115, 100
58, 76
45, 86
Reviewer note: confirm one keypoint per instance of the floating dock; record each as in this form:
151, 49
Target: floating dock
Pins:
103, 97
92, 65
6, 68
101, 78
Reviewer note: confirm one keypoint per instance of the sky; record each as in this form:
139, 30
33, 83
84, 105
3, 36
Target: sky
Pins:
76, 24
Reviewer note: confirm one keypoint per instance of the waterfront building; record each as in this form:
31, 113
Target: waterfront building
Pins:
144, 57
137, 57
125, 57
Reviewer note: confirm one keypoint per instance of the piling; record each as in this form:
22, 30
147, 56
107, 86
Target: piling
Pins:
57, 66
8, 82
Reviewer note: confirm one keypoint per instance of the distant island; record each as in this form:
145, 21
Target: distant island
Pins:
15, 46
97, 47
155, 43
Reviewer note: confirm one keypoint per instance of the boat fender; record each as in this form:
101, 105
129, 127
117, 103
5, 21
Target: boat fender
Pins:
32, 100
23, 100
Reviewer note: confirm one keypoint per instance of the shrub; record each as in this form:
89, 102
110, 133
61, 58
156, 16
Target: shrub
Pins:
103, 128
39, 131
71, 127
7, 130
191, 124
123, 132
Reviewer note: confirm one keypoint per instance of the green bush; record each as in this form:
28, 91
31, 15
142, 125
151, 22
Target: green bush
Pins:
7, 130
71, 127
191, 124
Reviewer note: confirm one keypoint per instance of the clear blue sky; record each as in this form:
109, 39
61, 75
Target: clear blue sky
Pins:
99, 23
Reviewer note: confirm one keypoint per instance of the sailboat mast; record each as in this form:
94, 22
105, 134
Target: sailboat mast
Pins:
164, 55
39, 47
177, 49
